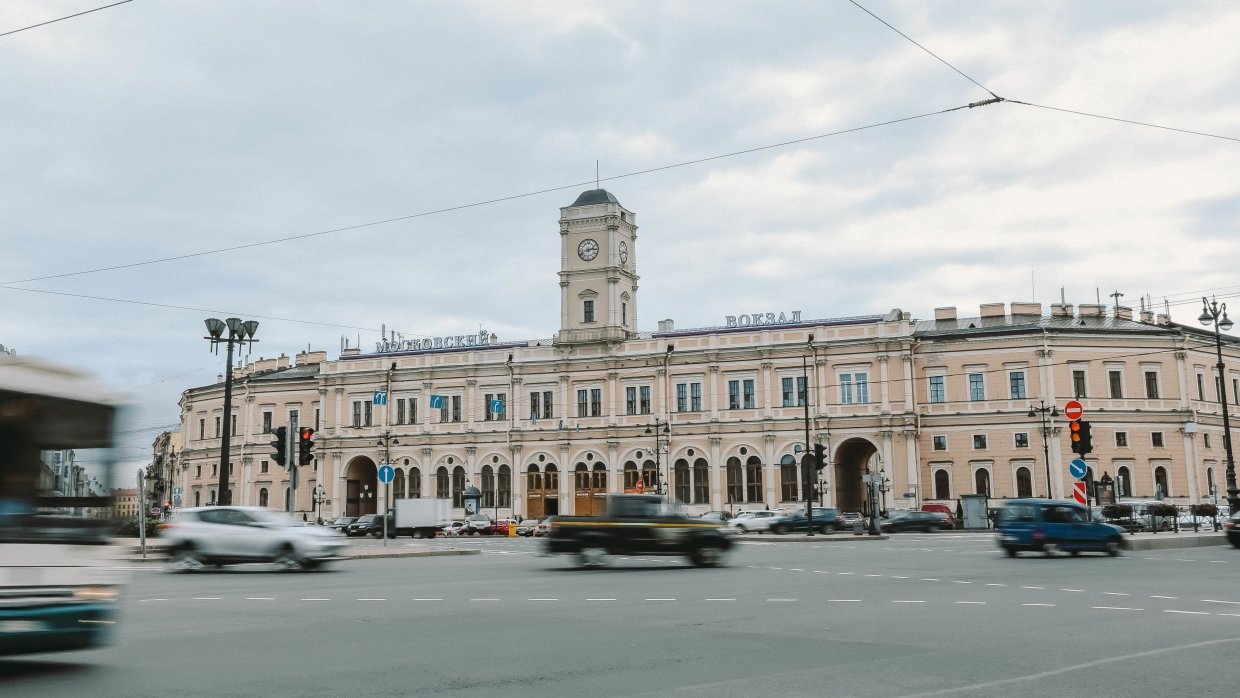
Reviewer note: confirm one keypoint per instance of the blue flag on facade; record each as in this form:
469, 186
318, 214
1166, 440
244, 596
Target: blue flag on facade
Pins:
436, 402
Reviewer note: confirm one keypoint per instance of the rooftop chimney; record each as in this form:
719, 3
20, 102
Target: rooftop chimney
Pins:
1091, 310
667, 326
945, 313
1147, 316
1061, 310
993, 310
1027, 309
1123, 313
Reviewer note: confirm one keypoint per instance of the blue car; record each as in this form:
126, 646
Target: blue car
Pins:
1051, 526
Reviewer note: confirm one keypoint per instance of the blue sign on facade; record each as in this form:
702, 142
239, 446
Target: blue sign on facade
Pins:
386, 474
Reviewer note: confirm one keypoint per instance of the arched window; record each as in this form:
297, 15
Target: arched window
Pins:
581, 480
505, 486
1024, 482
1160, 481
598, 483
942, 485
788, 481
736, 481
701, 482
1123, 484
681, 480
458, 486
415, 483
551, 481
630, 476
398, 484
650, 476
286, 498
262, 496
753, 479
981, 481
210, 498
1210, 481
488, 487
533, 480
442, 482
197, 498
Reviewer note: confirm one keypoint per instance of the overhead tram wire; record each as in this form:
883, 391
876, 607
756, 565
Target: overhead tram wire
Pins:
61, 19
1125, 121
923, 48
496, 200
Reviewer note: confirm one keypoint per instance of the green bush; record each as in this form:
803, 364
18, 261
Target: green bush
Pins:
1117, 511
1162, 510
1203, 510
128, 527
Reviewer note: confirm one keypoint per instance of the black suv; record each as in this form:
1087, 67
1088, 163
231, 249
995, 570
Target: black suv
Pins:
826, 520
368, 525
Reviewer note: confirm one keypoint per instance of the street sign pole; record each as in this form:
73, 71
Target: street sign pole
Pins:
386, 475
142, 513
290, 448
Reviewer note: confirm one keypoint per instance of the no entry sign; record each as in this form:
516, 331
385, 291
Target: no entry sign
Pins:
1073, 410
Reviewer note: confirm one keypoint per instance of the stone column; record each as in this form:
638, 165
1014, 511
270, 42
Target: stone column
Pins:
471, 400
712, 384
768, 459
612, 397
884, 389
338, 425
767, 410
718, 498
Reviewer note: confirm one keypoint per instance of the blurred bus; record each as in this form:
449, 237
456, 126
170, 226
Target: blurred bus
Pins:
58, 587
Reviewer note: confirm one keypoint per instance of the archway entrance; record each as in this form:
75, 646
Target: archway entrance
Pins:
851, 462
542, 491
361, 486
590, 489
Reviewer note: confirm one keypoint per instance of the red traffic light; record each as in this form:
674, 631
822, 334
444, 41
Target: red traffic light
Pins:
306, 433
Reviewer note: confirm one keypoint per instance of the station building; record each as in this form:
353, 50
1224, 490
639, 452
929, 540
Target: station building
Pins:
715, 416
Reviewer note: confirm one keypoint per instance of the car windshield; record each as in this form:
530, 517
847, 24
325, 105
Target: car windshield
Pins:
273, 517
344, 520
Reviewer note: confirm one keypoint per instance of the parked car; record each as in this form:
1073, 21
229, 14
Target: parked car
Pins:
826, 520
366, 525
227, 535
1232, 529
720, 516
754, 521
454, 528
944, 510
477, 525
500, 527
342, 523
851, 518
1050, 526
908, 520
542, 528
526, 528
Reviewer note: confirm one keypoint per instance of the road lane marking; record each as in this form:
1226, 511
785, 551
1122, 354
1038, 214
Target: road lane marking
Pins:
1046, 605
206, 598
972, 603
1155, 596
1188, 613
1076, 590
898, 576
795, 569
1033, 587
1217, 601
600, 599
995, 584
1116, 593
1181, 560
1116, 608
874, 575
316, 599
960, 581
845, 573
928, 579
260, 598
154, 599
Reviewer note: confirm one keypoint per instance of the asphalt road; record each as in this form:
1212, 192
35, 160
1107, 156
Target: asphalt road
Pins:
917, 615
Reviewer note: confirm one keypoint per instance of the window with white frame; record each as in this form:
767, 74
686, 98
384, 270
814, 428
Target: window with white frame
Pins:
589, 402
541, 403
689, 397
1016, 384
1201, 387
266, 422
587, 310
854, 388
741, 394
979, 442
583, 402
792, 389
940, 443
1115, 380
938, 389
1078, 383
1121, 439
1022, 439
450, 409
495, 406
977, 386
363, 413
1151, 385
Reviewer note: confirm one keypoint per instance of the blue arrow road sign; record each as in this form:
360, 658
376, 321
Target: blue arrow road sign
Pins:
386, 474
1077, 468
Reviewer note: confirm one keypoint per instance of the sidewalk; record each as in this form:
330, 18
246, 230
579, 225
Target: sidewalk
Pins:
130, 549
804, 538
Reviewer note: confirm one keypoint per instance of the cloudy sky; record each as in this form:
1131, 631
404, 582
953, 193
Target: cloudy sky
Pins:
157, 130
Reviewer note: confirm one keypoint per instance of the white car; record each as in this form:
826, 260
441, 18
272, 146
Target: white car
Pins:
231, 535
754, 521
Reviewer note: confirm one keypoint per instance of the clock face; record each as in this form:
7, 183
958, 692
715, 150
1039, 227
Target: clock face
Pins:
587, 250
624, 253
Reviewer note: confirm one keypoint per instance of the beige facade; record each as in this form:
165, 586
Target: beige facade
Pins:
126, 503
939, 407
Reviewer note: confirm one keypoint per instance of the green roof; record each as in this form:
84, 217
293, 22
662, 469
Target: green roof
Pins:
595, 196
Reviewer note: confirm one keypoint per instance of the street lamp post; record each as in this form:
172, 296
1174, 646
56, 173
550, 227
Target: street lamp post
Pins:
661, 431
387, 440
239, 332
1042, 410
319, 496
807, 458
1213, 312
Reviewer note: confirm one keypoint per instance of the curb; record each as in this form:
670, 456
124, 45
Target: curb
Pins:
159, 556
1172, 543
802, 538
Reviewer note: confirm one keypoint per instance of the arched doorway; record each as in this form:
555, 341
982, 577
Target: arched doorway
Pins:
542, 491
361, 483
589, 489
852, 460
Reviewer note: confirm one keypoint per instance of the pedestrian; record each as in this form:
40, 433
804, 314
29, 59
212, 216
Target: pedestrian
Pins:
303, 518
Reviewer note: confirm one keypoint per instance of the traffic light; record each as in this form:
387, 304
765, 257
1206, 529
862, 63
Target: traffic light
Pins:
820, 456
280, 445
1087, 441
1075, 430
304, 455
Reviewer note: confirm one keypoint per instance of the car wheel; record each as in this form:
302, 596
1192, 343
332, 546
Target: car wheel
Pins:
779, 530
824, 529
185, 559
1113, 547
1009, 551
593, 556
707, 556
287, 559
1235, 542
1050, 549
742, 529
1074, 553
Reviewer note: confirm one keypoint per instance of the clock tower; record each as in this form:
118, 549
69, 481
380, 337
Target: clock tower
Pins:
598, 270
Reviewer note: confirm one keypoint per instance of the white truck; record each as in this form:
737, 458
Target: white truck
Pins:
420, 518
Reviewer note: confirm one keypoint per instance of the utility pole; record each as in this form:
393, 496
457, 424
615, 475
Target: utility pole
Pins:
808, 459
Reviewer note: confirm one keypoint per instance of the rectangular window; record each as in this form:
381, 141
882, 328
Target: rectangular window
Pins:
400, 410
977, 386
862, 380
456, 409
1022, 439
695, 397
846, 391
266, 422
747, 385
624, 313
495, 405
535, 401
1151, 385
643, 399
262, 466
198, 472
548, 405
217, 427
202, 429
357, 413
940, 443
1016, 383
316, 427
232, 425
938, 389
292, 416
630, 400
596, 402
1078, 383
1121, 439
793, 391
1115, 379
1156, 439
1206, 439
1201, 387
587, 311
734, 395
582, 404
682, 397
788, 396
979, 441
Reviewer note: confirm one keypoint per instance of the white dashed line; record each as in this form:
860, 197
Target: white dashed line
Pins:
1116, 593
1217, 601
844, 573
972, 603
874, 575
928, 579
206, 598
1075, 590
995, 584
1155, 596
1116, 608
795, 569
905, 601
1045, 605
154, 599
898, 576
1032, 587
780, 600
960, 581
1188, 613
260, 598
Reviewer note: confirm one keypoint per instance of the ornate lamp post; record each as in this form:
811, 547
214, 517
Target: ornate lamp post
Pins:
239, 332
1213, 312
1042, 410
662, 431
319, 496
